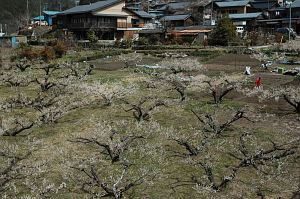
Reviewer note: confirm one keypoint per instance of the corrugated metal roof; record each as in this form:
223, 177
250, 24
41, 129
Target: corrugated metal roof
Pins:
295, 4
245, 16
175, 17
90, 7
142, 14
223, 4
38, 18
51, 12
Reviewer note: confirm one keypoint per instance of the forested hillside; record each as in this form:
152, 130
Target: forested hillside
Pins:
14, 12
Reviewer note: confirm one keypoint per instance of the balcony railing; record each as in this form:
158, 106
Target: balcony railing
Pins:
122, 25
129, 25
92, 25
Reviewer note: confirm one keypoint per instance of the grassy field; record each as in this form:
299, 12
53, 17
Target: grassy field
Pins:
169, 174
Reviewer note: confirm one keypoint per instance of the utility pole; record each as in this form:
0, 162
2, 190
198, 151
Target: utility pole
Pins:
211, 13
290, 22
27, 12
45, 7
60, 6
6, 29
40, 12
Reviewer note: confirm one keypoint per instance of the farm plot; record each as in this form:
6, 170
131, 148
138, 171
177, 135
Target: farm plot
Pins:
183, 130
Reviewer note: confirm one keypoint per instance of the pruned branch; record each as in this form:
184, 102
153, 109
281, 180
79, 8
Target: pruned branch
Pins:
17, 128
211, 125
114, 147
140, 111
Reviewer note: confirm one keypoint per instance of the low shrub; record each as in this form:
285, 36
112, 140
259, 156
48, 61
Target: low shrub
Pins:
187, 40
280, 38
127, 43
60, 49
143, 41
26, 51
92, 37
47, 54
297, 78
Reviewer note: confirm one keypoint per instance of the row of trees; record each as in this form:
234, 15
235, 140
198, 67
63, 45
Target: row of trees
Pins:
133, 156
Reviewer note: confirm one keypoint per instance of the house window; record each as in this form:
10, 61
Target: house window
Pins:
232, 11
135, 21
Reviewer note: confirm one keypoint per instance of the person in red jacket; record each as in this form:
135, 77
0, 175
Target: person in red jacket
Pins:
258, 82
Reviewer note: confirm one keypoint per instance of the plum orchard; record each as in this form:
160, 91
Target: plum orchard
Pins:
149, 134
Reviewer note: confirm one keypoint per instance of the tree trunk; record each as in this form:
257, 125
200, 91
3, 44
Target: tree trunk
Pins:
298, 107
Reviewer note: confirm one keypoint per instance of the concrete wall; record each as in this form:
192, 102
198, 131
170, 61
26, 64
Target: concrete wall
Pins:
13, 41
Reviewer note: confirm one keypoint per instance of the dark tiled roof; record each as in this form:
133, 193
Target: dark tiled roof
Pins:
263, 5
175, 17
295, 4
142, 14
92, 7
224, 4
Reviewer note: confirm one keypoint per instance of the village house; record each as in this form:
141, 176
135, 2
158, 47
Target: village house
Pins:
173, 21
280, 17
230, 7
248, 21
175, 8
264, 15
120, 19
295, 8
262, 5
109, 20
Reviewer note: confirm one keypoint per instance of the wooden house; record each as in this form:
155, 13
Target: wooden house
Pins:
109, 20
248, 20
295, 8
173, 21
230, 7
262, 5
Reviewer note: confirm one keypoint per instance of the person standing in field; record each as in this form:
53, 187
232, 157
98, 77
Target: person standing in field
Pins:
258, 82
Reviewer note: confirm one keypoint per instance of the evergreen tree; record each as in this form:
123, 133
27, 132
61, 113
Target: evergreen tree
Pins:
223, 33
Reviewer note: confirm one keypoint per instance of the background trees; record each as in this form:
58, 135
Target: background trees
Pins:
14, 14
